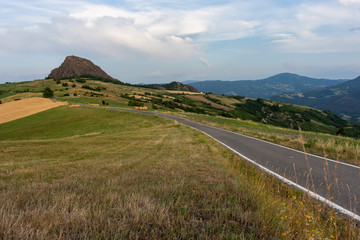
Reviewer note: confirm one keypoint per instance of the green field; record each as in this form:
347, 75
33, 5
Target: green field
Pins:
89, 173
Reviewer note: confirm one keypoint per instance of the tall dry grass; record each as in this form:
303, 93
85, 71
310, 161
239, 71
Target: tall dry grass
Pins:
335, 147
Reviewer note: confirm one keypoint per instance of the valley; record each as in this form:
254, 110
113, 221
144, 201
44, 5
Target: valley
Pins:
98, 172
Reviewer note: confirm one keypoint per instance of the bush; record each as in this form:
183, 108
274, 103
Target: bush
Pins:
48, 93
65, 84
73, 85
135, 103
81, 80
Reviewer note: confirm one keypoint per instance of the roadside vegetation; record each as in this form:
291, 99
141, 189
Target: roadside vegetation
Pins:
330, 146
89, 173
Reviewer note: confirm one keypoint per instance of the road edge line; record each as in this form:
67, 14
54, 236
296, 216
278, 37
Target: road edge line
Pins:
287, 181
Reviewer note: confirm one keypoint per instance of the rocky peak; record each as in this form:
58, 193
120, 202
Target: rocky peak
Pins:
77, 66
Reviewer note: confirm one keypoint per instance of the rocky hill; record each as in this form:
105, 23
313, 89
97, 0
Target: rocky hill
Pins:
342, 99
265, 88
77, 66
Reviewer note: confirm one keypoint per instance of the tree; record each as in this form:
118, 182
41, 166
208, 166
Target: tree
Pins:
48, 93
341, 132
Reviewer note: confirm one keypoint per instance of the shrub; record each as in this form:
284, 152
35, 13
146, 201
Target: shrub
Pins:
73, 85
135, 103
65, 84
48, 93
81, 80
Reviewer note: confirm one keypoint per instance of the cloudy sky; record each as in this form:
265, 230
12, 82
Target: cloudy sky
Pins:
140, 41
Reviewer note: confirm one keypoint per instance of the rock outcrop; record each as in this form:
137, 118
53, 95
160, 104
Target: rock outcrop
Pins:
77, 66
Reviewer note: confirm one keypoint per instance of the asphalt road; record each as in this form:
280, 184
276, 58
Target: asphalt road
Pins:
333, 182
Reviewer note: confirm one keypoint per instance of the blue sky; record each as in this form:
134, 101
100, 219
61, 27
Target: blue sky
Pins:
140, 41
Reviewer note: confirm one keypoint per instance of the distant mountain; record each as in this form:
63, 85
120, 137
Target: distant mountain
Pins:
265, 88
342, 99
175, 86
77, 66
189, 82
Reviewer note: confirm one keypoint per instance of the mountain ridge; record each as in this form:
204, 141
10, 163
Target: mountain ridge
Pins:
267, 87
342, 99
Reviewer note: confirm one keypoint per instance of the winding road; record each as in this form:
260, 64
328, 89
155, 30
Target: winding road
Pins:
334, 183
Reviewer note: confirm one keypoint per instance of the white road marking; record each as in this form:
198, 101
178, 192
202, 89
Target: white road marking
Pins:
287, 181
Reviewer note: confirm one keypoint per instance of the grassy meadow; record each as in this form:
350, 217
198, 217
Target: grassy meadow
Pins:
88, 173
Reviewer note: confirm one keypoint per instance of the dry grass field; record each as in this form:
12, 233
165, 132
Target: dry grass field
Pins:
88, 173
18, 109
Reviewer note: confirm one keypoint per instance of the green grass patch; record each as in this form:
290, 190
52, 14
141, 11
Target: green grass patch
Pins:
7, 94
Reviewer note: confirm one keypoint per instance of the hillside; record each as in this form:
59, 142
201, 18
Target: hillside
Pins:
342, 99
265, 88
90, 90
175, 86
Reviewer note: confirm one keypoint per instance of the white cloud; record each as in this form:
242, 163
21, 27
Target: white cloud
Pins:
119, 32
205, 62
350, 2
111, 32
156, 73
155, 29
317, 28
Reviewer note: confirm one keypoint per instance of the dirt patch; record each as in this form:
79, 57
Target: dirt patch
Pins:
26, 107
74, 106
